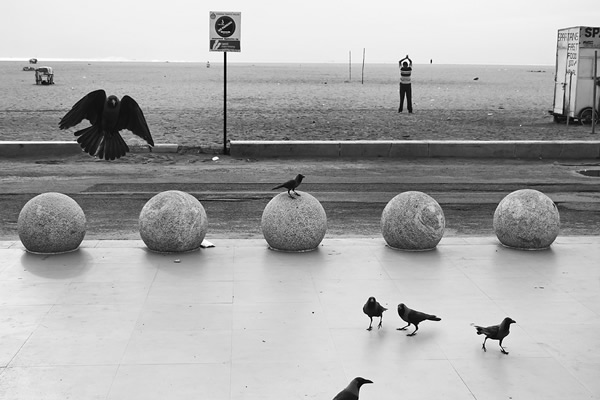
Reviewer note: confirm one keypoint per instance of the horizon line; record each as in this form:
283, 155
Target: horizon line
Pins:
122, 60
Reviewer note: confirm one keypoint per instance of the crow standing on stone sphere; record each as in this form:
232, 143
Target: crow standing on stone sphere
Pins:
108, 116
414, 317
291, 185
496, 332
351, 391
373, 309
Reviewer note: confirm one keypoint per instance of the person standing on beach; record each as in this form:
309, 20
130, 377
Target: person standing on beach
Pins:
405, 87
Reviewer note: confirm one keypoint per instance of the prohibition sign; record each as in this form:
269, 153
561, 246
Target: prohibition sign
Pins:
225, 26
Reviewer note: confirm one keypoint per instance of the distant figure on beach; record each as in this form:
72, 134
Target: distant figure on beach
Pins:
405, 87
108, 116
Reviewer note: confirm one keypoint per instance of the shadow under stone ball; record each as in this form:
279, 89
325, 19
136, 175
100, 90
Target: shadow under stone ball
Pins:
173, 222
526, 219
413, 221
51, 223
294, 224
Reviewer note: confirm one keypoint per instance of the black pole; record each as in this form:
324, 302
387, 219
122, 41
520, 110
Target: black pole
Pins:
225, 102
569, 103
594, 78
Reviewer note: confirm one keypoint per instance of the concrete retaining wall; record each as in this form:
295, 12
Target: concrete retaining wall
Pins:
18, 149
559, 149
523, 149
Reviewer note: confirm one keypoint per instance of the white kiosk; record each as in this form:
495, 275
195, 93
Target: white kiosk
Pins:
574, 78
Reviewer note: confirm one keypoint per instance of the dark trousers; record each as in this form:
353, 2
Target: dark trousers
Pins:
405, 90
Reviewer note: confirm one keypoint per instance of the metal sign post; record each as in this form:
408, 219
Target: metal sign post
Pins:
594, 105
569, 96
225, 102
224, 36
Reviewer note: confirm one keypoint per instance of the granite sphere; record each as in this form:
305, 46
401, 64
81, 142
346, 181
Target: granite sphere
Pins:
297, 223
51, 223
173, 222
413, 221
527, 219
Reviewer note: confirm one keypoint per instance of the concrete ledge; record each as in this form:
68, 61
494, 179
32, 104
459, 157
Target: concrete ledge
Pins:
523, 149
15, 149
366, 149
164, 148
400, 149
285, 148
533, 149
158, 148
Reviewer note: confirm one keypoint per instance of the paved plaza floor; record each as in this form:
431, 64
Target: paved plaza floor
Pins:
239, 321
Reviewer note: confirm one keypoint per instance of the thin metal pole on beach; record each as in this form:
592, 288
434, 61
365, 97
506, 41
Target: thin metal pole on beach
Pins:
362, 77
595, 85
224, 102
569, 97
350, 65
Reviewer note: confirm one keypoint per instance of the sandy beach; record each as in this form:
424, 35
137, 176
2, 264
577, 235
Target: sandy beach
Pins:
183, 103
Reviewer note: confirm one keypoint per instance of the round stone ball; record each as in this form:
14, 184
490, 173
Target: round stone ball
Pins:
173, 222
526, 219
294, 224
51, 223
413, 221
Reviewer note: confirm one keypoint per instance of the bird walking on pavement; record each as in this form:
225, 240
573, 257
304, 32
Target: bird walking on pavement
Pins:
108, 116
496, 332
351, 391
373, 309
292, 184
414, 317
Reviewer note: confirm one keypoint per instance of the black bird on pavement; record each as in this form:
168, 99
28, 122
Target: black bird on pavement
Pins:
496, 332
414, 317
351, 391
373, 309
292, 184
108, 116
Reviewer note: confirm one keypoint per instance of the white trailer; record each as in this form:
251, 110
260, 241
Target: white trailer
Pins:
574, 78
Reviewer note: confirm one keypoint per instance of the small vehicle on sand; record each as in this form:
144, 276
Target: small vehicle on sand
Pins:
44, 76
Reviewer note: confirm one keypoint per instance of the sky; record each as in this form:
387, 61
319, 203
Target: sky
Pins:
498, 32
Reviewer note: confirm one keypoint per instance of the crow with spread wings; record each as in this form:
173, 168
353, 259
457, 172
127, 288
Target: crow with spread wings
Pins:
108, 116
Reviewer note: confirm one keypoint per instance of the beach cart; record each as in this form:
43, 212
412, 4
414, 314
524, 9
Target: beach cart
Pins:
44, 76
577, 52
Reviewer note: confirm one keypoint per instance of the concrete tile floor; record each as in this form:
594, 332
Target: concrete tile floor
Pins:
239, 321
